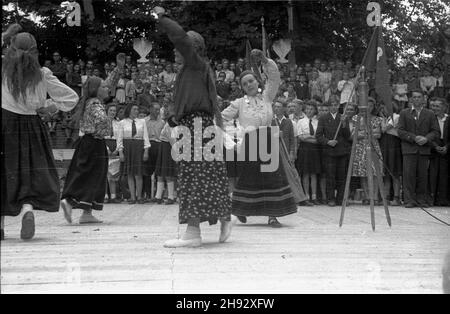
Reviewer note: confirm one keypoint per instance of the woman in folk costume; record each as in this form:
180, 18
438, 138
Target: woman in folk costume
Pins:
258, 192
86, 178
202, 184
29, 178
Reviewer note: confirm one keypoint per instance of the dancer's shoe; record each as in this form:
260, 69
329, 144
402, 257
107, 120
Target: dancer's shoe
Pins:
28, 228
196, 242
225, 230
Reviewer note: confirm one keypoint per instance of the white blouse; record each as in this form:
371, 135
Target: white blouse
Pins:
61, 95
116, 130
303, 126
255, 111
125, 131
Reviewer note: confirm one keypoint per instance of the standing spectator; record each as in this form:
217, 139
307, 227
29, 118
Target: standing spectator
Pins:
114, 162
168, 76
73, 78
120, 94
222, 87
417, 126
130, 88
240, 67
346, 87
133, 145
315, 88
308, 155
325, 81
155, 124
427, 83
401, 91
290, 94
391, 149
166, 167
286, 127
235, 91
439, 78
302, 88
226, 68
336, 151
58, 68
439, 156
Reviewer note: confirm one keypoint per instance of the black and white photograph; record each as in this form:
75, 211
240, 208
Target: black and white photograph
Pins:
225, 153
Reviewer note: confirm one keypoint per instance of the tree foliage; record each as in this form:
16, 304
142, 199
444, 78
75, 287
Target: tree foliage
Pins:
322, 28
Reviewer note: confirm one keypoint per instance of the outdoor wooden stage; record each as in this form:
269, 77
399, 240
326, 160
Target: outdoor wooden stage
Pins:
311, 254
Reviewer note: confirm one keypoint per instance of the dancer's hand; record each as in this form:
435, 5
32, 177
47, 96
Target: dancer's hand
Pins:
258, 55
121, 157
145, 158
157, 12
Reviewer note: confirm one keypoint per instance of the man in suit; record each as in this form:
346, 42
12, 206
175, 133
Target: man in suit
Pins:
336, 151
417, 128
439, 155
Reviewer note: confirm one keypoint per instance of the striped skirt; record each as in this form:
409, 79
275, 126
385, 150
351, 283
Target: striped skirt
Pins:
260, 193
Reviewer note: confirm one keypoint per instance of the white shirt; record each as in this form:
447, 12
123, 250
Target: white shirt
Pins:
441, 125
61, 95
254, 112
334, 115
125, 131
303, 126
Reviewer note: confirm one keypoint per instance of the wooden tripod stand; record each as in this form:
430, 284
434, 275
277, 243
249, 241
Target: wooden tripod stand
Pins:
372, 158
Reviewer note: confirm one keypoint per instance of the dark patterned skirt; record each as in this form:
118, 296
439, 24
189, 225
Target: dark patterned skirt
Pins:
259, 193
202, 185
29, 173
85, 184
308, 159
165, 165
133, 150
391, 149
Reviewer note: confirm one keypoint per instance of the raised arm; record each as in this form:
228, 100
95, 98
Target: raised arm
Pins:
270, 68
182, 42
61, 96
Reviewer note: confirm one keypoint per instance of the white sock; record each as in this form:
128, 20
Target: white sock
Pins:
191, 233
171, 188
159, 189
106, 196
113, 196
27, 208
313, 197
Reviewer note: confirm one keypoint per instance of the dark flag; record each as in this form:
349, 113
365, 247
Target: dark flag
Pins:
376, 60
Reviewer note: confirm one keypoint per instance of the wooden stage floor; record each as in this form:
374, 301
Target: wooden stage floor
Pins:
311, 254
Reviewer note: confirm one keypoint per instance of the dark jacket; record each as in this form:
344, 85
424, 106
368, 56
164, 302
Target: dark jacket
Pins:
326, 130
287, 129
408, 128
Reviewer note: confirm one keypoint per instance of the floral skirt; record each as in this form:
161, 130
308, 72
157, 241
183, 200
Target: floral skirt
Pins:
202, 185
